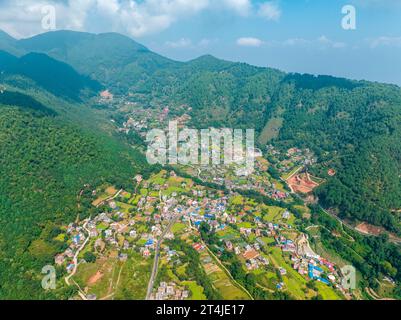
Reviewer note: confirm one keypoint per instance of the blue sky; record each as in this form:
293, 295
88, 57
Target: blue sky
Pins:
291, 35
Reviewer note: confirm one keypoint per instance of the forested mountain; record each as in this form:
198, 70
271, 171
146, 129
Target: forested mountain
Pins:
356, 130
48, 152
109, 57
51, 75
8, 43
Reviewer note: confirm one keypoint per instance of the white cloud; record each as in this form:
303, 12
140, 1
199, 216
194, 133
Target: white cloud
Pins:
140, 18
322, 42
182, 43
296, 42
136, 17
24, 17
188, 43
385, 42
207, 42
270, 10
326, 42
249, 42
242, 7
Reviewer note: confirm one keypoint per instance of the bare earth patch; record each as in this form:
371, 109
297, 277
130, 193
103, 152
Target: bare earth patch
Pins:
302, 183
369, 229
95, 278
372, 230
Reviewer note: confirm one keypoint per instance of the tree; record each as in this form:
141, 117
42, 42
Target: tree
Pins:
89, 257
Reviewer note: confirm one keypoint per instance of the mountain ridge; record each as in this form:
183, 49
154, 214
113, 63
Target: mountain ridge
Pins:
54, 76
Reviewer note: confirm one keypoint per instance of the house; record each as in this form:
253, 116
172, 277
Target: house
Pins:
229, 245
170, 290
185, 294
76, 239
245, 231
282, 271
169, 236
263, 260
113, 205
93, 233
198, 247
286, 215
123, 257
106, 95
126, 245
69, 253
99, 243
261, 242
59, 260
146, 253
70, 267
250, 254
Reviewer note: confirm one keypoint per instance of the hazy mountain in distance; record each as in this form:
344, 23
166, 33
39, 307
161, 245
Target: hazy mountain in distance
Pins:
105, 57
54, 76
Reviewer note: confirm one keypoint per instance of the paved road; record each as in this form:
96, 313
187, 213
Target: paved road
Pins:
157, 256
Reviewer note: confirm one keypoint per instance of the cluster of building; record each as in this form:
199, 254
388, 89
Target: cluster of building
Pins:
141, 230
77, 237
293, 157
169, 291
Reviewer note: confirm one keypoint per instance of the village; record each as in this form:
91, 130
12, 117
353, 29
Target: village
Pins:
137, 227
167, 207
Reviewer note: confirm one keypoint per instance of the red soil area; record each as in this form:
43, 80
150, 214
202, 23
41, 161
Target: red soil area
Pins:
302, 183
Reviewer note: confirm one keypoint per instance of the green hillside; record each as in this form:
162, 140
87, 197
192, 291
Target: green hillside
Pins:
55, 77
49, 149
110, 58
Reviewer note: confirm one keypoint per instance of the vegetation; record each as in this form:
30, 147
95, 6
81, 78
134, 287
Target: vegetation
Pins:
48, 154
44, 163
374, 257
194, 269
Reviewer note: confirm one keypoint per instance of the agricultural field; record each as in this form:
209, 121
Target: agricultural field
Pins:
99, 278
221, 281
134, 277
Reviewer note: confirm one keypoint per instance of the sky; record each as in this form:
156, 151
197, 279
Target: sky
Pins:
306, 36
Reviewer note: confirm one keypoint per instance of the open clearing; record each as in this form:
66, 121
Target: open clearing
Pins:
302, 183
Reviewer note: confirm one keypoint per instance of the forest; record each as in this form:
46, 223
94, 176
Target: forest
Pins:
44, 162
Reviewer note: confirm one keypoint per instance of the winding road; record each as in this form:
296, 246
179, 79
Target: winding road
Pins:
75, 259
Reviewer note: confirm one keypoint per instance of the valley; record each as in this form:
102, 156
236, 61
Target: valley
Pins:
78, 193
